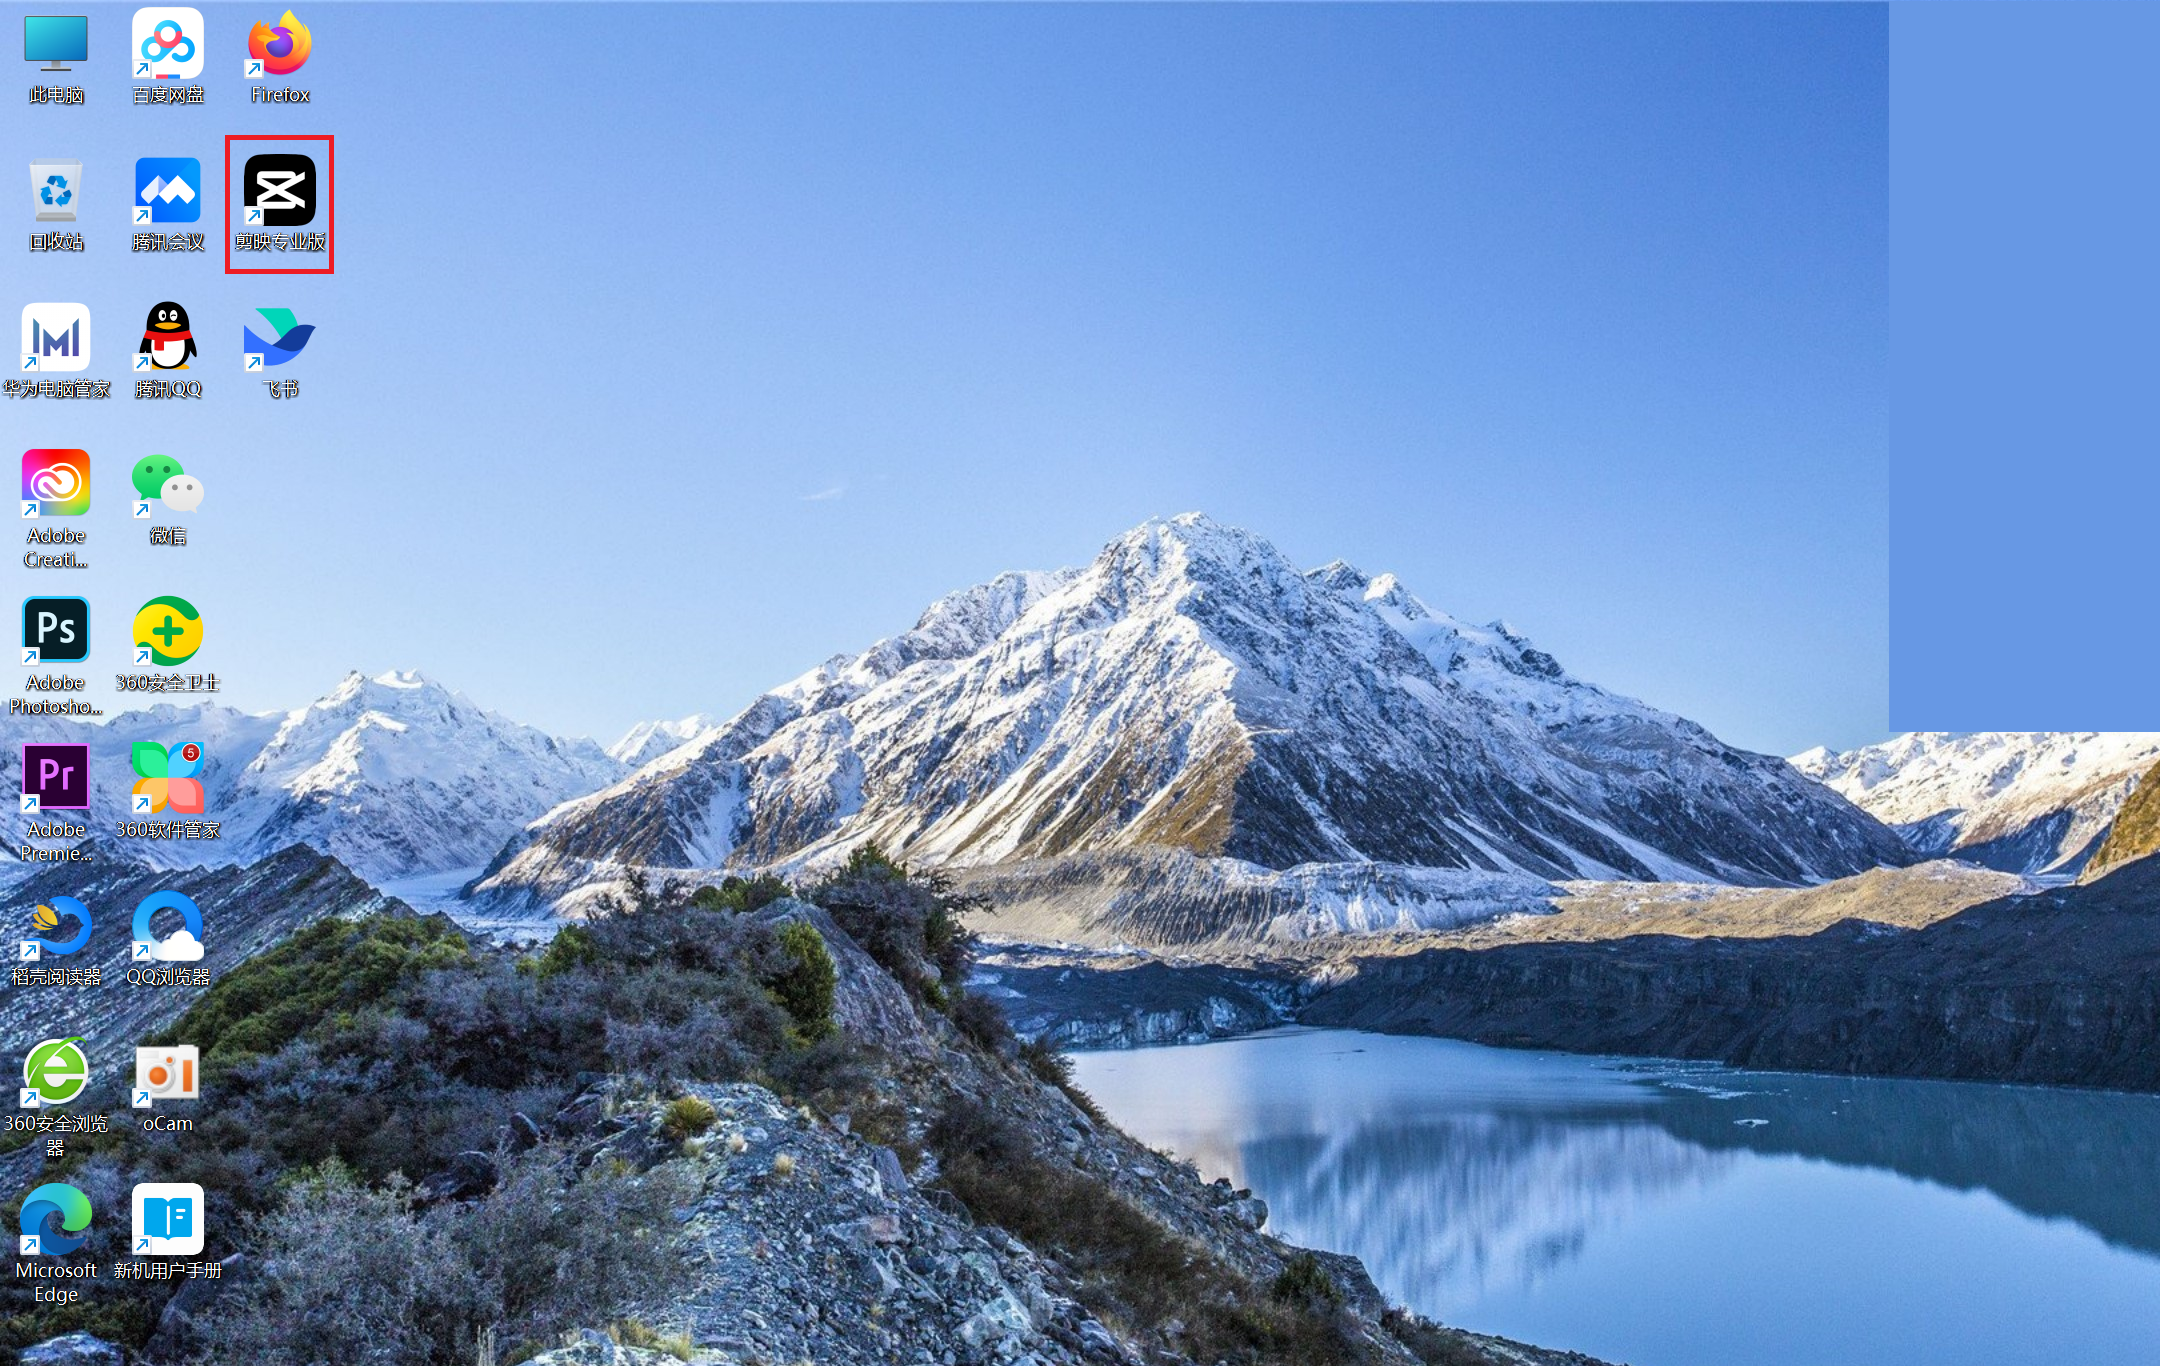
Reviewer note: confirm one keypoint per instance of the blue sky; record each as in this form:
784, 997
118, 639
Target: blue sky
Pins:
673, 349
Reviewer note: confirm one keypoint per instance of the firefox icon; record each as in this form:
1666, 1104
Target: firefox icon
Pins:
282, 47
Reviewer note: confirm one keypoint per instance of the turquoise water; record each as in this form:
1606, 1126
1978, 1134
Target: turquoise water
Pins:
1674, 1214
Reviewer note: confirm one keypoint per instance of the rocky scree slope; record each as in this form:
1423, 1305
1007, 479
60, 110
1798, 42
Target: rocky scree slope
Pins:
2020, 801
1193, 689
2061, 988
805, 1240
810, 1243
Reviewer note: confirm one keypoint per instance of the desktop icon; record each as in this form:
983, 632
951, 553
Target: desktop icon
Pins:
287, 339
54, 1073
55, 39
282, 48
55, 778
55, 631
55, 337
167, 190
183, 945
168, 631
159, 479
167, 43
54, 184
170, 1073
55, 482
47, 919
278, 190
166, 339
166, 777
168, 1219
54, 1200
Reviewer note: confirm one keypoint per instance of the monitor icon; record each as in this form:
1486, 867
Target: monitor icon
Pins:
55, 38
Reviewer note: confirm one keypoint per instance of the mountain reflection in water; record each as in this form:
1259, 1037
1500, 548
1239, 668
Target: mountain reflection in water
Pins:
1679, 1211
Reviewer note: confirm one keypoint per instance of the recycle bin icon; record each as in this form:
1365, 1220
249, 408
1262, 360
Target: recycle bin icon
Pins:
55, 186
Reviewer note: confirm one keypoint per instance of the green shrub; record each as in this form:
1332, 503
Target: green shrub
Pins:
1304, 1282
323, 970
982, 1020
910, 922
740, 895
687, 1117
804, 987
572, 947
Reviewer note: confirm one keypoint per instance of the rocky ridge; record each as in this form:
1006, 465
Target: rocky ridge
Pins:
245, 910
394, 775
2135, 831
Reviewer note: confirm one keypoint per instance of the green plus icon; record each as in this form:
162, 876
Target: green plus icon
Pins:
168, 631
55, 1072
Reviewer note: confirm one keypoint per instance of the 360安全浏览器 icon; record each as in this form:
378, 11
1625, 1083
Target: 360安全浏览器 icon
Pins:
54, 1073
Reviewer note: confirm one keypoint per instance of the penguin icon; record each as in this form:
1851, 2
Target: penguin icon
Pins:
166, 337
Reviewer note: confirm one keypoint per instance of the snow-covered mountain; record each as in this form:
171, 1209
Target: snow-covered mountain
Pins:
1193, 689
2022, 801
395, 775
648, 740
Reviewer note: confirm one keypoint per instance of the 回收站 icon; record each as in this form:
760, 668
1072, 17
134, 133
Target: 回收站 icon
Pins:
55, 189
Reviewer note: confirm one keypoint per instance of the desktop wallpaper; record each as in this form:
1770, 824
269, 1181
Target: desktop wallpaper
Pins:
1019, 683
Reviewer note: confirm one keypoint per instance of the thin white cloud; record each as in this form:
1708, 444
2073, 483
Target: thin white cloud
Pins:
826, 495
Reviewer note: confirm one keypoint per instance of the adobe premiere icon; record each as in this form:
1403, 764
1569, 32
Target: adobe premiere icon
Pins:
279, 190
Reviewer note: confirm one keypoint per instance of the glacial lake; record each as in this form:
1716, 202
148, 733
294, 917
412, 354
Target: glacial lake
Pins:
1680, 1214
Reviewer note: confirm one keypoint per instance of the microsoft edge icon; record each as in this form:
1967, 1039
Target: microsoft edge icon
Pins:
54, 1198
